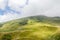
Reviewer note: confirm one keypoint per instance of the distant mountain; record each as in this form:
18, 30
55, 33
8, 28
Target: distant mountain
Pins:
38, 18
41, 18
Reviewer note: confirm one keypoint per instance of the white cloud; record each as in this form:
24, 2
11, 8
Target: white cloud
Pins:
9, 16
13, 4
2, 4
43, 7
17, 2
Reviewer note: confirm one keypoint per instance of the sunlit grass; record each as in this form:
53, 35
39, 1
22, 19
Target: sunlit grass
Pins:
29, 30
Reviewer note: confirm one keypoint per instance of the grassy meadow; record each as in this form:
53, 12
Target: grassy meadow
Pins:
31, 28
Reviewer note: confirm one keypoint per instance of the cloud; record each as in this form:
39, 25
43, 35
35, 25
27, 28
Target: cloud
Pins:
9, 16
2, 5
43, 7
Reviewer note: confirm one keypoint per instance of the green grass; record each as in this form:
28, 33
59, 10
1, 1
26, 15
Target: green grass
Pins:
31, 28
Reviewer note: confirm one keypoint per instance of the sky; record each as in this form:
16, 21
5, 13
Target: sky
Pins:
14, 9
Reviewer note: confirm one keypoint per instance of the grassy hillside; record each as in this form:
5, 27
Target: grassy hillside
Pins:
31, 28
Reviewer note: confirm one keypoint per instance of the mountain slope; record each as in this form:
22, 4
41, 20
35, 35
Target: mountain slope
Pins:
31, 28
